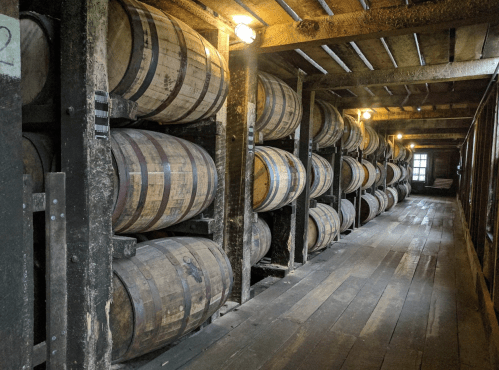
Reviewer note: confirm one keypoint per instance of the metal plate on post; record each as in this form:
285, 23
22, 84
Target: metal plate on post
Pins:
56, 280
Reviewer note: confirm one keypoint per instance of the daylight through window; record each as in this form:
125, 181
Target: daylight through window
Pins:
420, 163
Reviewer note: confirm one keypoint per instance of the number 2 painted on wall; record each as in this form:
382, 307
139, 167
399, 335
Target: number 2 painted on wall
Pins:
9, 38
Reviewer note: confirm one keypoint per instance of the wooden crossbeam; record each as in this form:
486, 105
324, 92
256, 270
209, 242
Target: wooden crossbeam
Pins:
422, 125
444, 136
454, 146
425, 115
413, 100
195, 14
469, 70
375, 23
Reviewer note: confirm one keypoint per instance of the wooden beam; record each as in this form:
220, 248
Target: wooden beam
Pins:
442, 124
413, 100
425, 115
454, 146
469, 70
195, 14
450, 136
375, 23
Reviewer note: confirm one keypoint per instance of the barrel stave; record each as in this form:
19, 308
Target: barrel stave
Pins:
327, 124
369, 207
262, 239
321, 173
326, 222
369, 174
347, 214
352, 175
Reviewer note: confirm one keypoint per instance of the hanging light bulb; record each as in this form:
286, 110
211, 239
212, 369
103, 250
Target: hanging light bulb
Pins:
399, 136
418, 109
412, 145
366, 115
245, 33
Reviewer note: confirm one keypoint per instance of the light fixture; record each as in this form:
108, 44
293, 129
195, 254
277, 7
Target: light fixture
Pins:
241, 18
245, 33
418, 109
412, 145
399, 136
366, 115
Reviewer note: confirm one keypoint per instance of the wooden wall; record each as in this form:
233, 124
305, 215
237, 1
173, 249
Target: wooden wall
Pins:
442, 163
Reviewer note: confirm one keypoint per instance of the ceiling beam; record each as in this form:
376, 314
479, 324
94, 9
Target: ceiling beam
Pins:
195, 14
375, 23
442, 146
443, 124
469, 70
413, 100
425, 115
447, 136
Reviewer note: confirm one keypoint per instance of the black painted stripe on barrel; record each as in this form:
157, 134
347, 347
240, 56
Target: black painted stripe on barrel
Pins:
210, 194
222, 271
153, 64
205, 86
283, 110
165, 163
123, 175
194, 178
137, 55
260, 126
134, 293
206, 275
182, 72
220, 88
156, 297
183, 280
144, 175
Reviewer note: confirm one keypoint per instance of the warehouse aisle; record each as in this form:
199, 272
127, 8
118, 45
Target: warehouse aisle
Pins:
395, 294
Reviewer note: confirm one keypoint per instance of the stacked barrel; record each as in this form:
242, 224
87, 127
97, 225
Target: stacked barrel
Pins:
399, 171
172, 284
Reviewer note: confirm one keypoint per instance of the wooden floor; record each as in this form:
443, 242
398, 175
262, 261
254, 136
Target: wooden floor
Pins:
394, 294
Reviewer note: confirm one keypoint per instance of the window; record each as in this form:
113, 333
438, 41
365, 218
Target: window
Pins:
420, 163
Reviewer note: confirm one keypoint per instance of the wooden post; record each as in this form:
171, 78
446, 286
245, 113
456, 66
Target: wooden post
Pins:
16, 319
241, 118
305, 155
56, 279
86, 159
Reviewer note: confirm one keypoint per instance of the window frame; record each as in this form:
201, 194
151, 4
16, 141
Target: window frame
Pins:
419, 167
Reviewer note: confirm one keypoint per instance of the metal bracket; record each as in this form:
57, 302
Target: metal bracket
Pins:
313, 203
124, 247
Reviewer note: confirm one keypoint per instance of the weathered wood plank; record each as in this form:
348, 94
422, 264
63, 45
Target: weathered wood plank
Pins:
375, 23
425, 115
456, 71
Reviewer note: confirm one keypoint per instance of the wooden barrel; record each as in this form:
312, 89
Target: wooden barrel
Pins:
347, 214
279, 178
168, 289
321, 176
409, 188
403, 173
380, 174
369, 207
398, 152
408, 155
380, 152
371, 141
327, 124
392, 173
369, 174
382, 201
160, 180
261, 241
392, 195
352, 174
402, 192
389, 149
38, 158
352, 134
278, 108
409, 173
323, 226
156, 60
39, 58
